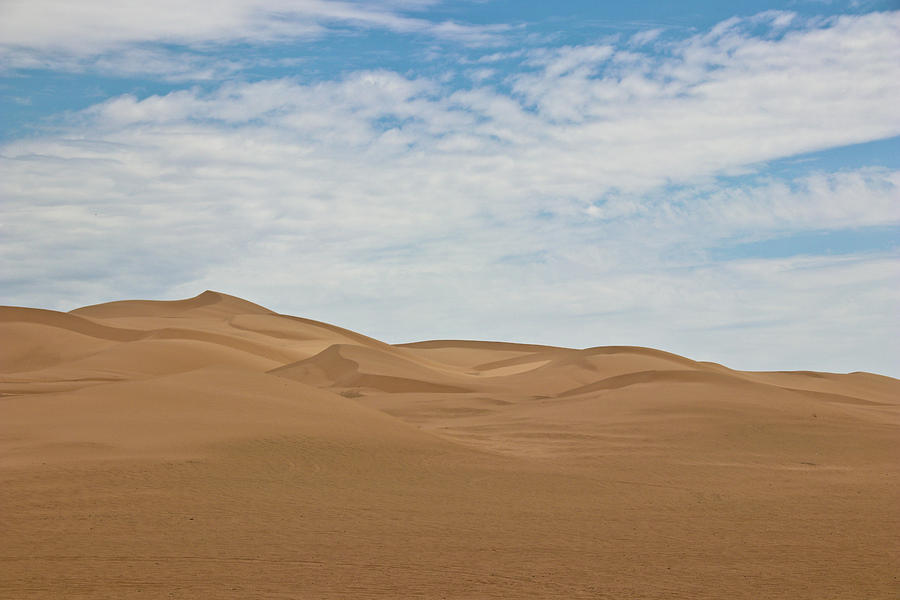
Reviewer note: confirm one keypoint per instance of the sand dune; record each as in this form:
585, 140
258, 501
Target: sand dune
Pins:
212, 448
208, 304
351, 366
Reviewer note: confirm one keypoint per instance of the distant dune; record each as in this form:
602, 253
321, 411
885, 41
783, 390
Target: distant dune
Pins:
212, 448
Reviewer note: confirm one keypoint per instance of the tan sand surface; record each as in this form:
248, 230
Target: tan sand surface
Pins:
211, 448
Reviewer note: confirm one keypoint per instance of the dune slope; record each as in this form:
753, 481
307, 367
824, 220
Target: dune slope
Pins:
212, 448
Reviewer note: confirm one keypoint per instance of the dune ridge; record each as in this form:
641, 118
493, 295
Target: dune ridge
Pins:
211, 447
208, 303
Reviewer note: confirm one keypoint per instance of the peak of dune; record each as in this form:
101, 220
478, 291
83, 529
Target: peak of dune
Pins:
479, 345
380, 369
206, 304
212, 441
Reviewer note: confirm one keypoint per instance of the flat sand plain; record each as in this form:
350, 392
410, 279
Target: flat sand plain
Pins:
211, 448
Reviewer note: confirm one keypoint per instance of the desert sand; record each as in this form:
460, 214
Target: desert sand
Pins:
211, 448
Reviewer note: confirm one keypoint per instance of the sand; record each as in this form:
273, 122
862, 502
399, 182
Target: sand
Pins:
211, 448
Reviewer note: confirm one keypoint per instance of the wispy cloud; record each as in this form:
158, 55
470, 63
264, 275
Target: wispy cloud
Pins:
568, 131
64, 35
154, 62
644, 37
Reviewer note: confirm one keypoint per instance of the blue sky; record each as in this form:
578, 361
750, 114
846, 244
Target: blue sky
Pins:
721, 180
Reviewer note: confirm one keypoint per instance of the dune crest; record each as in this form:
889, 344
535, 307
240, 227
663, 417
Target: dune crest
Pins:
210, 447
208, 303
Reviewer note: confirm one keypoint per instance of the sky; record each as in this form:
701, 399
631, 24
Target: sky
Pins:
716, 179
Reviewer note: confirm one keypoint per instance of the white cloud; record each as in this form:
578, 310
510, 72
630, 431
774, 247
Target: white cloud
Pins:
579, 61
500, 56
480, 75
820, 201
64, 35
644, 37
405, 209
158, 63
566, 134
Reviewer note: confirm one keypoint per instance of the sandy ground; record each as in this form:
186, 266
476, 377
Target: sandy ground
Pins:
210, 448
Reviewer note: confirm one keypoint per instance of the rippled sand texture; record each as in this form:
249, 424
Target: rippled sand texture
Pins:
211, 448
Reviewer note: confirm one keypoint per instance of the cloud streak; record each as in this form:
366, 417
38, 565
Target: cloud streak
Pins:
89, 34
588, 120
